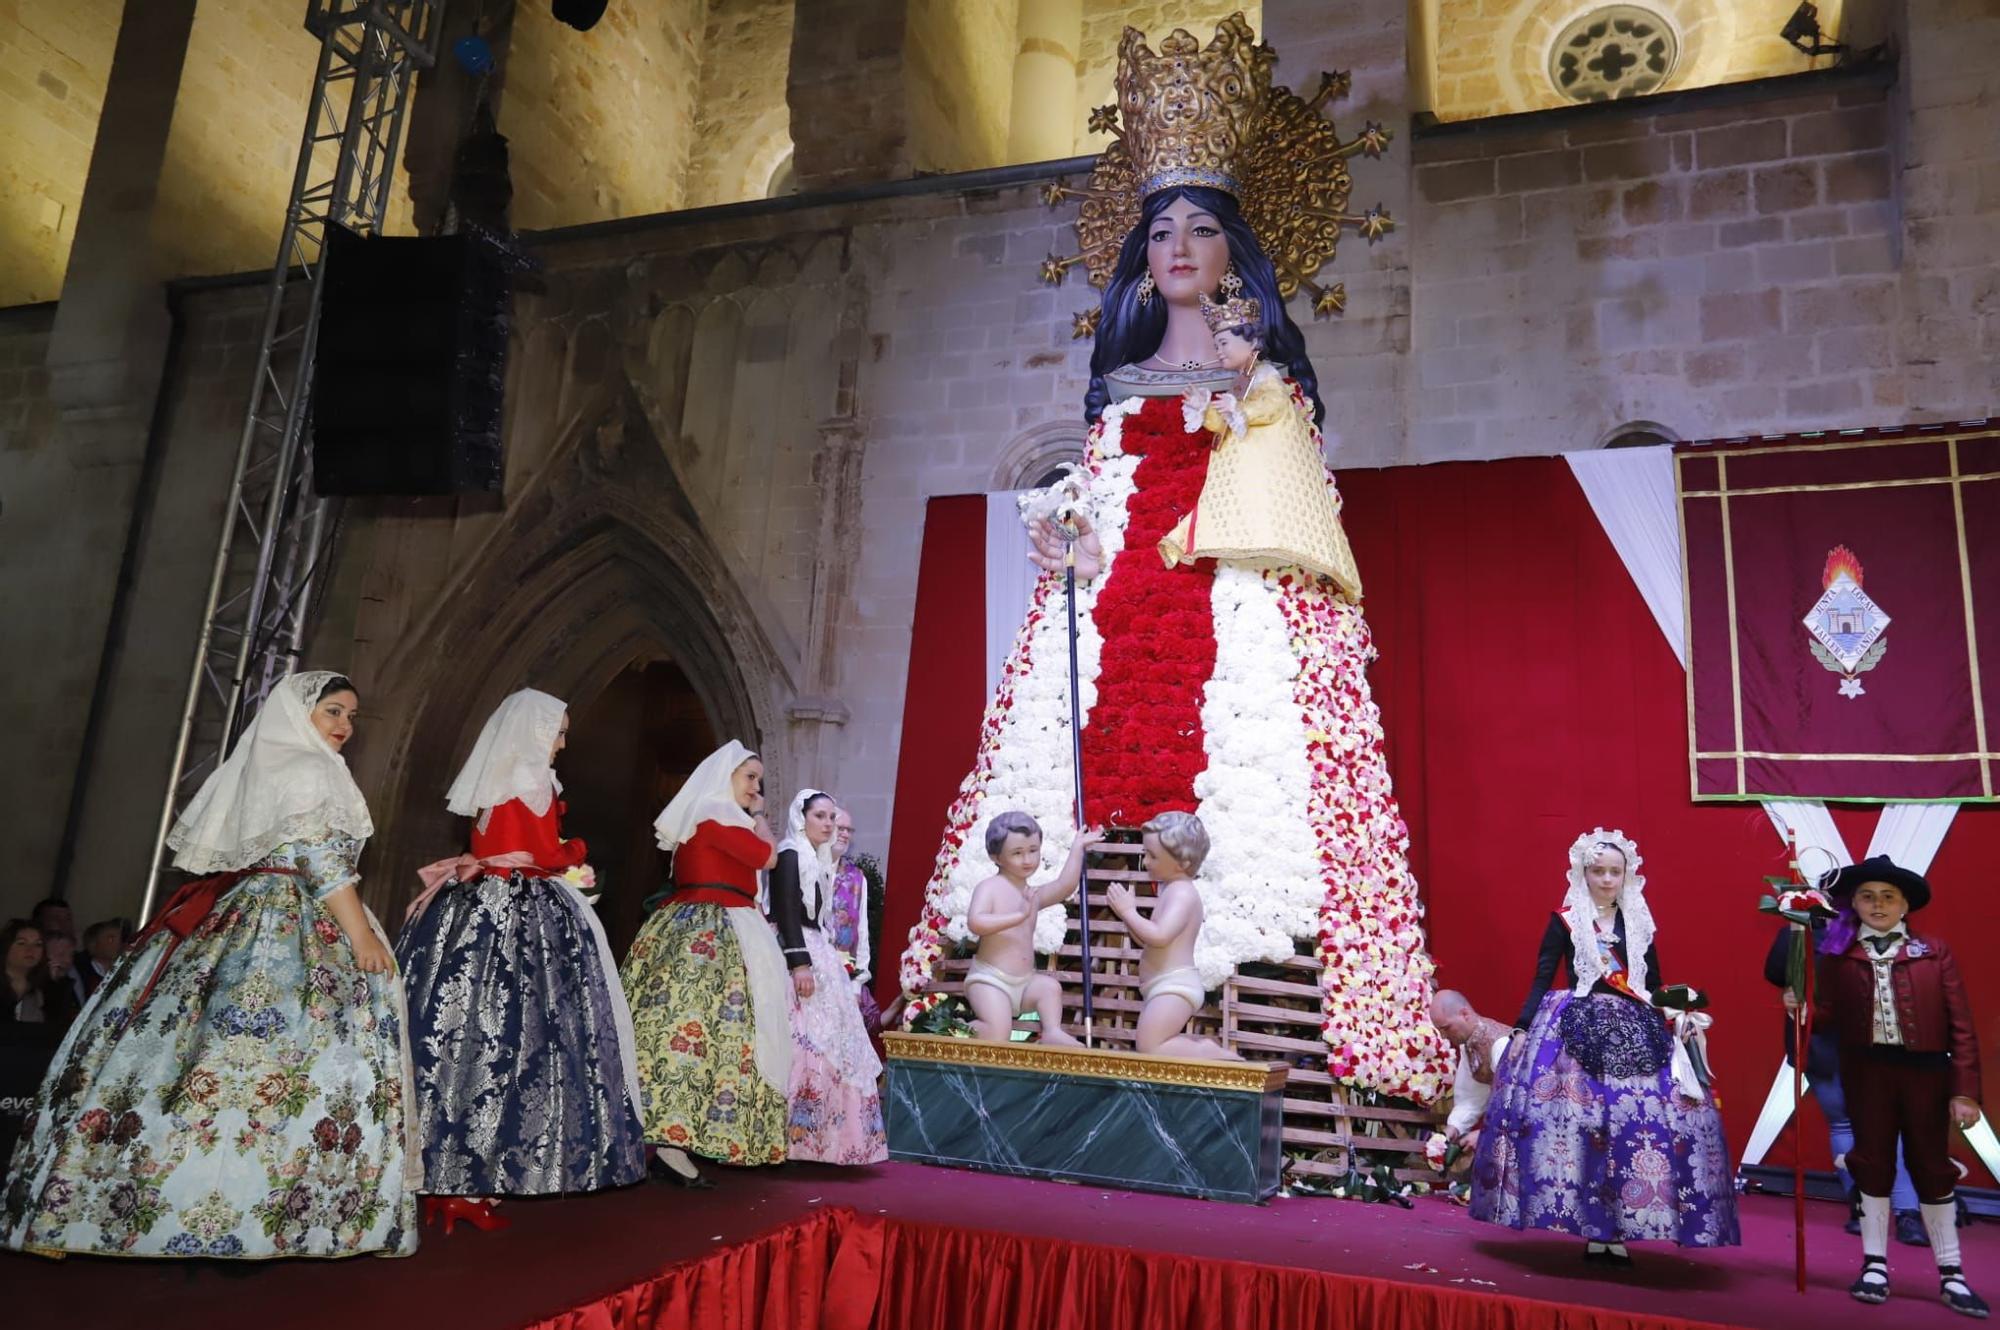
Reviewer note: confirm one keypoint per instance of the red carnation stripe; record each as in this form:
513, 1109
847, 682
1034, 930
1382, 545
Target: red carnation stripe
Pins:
1144, 745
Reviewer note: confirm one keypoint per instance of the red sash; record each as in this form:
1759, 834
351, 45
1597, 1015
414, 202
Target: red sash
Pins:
184, 912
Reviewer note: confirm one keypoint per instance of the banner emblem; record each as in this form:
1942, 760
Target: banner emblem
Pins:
1847, 627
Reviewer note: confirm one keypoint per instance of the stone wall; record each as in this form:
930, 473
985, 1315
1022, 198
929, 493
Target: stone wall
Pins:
959, 78
1720, 271
54, 57
1947, 287
49, 525
65, 520
1491, 56
600, 123
742, 126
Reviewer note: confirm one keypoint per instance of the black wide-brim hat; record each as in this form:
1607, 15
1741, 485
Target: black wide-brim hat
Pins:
1881, 868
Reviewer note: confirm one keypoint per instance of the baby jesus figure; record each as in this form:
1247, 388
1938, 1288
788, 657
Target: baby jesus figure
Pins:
1267, 498
1003, 981
1175, 845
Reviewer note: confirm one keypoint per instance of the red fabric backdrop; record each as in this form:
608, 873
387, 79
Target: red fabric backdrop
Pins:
1528, 696
943, 702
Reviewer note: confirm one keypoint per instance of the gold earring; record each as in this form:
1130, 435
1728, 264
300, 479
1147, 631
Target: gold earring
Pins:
1146, 288
1232, 285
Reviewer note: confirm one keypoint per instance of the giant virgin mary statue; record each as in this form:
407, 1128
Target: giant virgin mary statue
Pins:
1236, 688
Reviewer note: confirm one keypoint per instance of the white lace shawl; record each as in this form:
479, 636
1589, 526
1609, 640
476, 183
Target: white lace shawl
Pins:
708, 795
1580, 912
816, 862
510, 759
282, 782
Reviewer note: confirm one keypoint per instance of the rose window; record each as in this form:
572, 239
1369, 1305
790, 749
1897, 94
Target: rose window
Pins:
1617, 51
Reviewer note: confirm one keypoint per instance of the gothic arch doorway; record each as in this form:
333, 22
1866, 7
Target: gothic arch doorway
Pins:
630, 748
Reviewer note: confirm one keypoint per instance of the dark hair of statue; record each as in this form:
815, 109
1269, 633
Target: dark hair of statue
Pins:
1129, 331
339, 683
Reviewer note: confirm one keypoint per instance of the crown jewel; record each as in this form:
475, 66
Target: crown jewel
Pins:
1188, 111
1195, 116
1233, 312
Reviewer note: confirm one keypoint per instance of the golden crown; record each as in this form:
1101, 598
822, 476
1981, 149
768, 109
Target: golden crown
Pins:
1235, 312
1194, 116
1188, 111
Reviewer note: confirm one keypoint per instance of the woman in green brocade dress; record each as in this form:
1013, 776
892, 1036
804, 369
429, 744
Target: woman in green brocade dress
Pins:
707, 984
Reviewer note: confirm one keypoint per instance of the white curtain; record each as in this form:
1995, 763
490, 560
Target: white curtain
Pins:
1632, 492
1010, 580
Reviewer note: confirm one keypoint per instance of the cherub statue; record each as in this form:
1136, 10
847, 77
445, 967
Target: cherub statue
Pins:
1175, 845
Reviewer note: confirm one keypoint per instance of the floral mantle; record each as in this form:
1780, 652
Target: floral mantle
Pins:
1259, 717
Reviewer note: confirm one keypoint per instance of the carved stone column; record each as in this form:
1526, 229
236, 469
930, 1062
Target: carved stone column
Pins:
1042, 125
848, 94
836, 550
110, 335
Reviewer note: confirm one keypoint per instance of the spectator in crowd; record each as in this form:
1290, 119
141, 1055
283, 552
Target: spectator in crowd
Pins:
102, 942
23, 1001
66, 988
26, 1041
53, 916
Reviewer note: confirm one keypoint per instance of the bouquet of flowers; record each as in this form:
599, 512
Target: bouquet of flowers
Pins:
584, 878
940, 1014
1792, 900
1680, 997
1442, 1153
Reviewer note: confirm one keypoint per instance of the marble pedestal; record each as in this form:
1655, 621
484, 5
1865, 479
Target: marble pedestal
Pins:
1131, 1120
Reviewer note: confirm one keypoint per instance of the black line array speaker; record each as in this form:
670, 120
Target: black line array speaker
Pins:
410, 365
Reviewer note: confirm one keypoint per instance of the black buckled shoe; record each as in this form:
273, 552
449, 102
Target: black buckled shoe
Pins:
1958, 1295
1872, 1285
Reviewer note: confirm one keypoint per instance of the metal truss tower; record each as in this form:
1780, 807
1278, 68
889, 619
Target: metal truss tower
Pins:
276, 532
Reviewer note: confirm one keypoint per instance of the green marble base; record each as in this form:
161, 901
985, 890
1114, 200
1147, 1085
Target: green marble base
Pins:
1131, 1120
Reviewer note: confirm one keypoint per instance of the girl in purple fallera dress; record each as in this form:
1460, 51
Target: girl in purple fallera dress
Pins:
1597, 1125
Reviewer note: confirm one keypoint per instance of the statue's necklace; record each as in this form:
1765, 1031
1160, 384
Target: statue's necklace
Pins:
1187, 364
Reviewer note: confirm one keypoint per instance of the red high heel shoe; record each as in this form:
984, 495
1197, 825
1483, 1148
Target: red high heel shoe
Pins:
446, 1211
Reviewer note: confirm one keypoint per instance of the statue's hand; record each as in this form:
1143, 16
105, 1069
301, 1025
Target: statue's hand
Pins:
1046, 548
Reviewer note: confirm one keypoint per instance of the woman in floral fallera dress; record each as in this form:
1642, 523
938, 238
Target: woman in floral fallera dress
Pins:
836, 1107
707, 983
1598, 1125
235, 1087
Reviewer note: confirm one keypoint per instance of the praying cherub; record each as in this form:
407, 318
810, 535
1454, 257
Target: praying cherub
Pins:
1175, 844
1003, 981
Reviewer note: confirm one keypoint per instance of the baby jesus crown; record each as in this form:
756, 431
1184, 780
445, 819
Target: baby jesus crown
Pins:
1188, 111
1234, 312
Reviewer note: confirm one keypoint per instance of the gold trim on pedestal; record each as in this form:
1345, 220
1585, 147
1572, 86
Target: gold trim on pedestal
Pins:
1101, 1064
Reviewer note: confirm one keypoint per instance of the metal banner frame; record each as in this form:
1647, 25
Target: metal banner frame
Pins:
275, 531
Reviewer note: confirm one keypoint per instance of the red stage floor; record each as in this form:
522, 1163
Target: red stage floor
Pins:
563, 1254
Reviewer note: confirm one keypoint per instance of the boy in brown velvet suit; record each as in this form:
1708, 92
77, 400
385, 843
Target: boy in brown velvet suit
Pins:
1909, 1064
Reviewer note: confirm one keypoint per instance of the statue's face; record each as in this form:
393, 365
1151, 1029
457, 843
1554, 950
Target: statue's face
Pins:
1186, 252
1238, 353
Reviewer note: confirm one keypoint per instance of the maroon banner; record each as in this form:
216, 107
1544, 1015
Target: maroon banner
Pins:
1843, 614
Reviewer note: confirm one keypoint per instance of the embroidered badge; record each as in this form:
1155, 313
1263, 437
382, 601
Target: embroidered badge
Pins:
1915, 947
1847, 627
